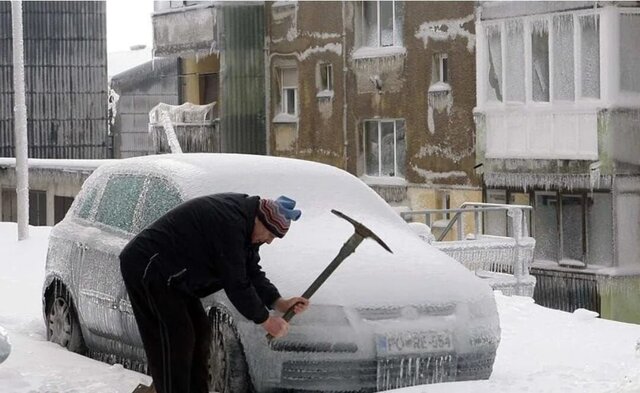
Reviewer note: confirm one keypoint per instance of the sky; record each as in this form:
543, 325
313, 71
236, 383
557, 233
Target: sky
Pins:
541, 350
128, 23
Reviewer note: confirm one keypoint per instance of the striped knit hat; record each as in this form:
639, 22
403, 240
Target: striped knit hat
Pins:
277, 215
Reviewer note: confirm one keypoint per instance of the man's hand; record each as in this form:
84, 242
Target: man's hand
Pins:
276, 326
300, 304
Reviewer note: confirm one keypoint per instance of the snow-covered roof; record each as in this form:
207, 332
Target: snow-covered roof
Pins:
121, 61
419, 273
70, 165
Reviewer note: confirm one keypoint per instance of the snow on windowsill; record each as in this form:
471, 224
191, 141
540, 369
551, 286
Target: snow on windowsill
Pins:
383, 180
285, 118
325, 94
440, 87
367, 52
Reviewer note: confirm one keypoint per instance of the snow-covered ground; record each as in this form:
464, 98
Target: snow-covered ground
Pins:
542, 350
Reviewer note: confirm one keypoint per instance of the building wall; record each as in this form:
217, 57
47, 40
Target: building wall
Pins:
439, 127
138, 91
67, 183
65, 76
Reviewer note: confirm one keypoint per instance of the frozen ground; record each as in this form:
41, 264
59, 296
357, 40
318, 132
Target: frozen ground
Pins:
542, 350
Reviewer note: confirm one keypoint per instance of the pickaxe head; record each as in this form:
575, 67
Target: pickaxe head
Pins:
361, 230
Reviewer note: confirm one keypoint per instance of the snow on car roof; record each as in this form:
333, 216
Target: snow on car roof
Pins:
416, 273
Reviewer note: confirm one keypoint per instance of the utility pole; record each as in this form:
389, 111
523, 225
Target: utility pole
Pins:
20, 122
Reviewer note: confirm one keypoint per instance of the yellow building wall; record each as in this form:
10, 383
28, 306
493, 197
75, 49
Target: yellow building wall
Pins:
421, 198
619, 298
190, 75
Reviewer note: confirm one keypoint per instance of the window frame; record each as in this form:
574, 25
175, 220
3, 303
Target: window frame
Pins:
527, 23
363, 25
379, 153
284, 102
441, 67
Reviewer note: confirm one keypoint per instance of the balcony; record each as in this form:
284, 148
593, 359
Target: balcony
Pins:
542, 134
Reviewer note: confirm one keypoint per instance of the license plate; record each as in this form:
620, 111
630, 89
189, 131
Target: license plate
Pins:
396, 343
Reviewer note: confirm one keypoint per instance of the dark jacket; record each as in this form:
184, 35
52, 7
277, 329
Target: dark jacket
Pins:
204, 245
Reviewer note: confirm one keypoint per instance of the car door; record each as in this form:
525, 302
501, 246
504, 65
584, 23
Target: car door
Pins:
100, 283
159, 196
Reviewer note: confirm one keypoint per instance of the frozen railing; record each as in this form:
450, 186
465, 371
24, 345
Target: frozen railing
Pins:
504, 260
185, 128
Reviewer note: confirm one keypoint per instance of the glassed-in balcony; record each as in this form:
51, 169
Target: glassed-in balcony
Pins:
562, 85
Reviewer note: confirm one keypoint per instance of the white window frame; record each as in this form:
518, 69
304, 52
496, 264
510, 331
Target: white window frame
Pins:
439, 64
364, 19
284, 102
328, 69
578, 100
395, 144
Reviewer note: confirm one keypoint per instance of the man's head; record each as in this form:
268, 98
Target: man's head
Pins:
273, 219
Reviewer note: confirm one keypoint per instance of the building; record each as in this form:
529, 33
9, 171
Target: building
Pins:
66, 97
384, 90
134, 93
65, 76
558, 127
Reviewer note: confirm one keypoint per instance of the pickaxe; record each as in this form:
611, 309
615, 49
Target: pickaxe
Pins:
361, 232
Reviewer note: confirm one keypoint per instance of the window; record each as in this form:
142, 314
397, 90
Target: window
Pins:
629, 53
37, 208
544, 58
208, 88
540, 61
514, 62
9, 205
382, 23
574, 229
494, 51
119, 201
60, 207
326, 77
289, 91
384, 147
86, 202
440, 68
563, 74
159, 199
590, 56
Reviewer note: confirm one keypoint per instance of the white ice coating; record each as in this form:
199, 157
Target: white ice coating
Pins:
112, 106
430, 176
440, 98
167, 116
447, 29
20, 120
317, 236
546, 181
330, 47
445, 151
5, 345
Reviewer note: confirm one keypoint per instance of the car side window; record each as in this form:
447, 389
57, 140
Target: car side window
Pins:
160, 197
87, 203
119, 200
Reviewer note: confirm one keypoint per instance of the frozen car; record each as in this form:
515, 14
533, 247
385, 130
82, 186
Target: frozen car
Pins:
381, 321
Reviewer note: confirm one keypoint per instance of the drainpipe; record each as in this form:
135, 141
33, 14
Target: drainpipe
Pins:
344, 90
267, 87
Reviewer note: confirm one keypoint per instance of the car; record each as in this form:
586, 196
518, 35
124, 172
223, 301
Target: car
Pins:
381, 321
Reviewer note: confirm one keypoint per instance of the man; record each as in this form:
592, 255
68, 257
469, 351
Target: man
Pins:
200, 247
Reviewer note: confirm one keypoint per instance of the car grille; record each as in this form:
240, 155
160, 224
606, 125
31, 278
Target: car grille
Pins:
395, 312
367, 376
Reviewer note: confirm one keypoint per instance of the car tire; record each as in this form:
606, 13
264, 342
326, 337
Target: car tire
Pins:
63, 326
228, 370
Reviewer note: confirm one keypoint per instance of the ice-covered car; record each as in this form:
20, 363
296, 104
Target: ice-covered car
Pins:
381, 321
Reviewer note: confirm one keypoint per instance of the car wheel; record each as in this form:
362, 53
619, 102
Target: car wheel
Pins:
228, 371
63, 326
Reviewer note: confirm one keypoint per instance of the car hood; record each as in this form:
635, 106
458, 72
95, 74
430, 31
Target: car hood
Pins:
415, 274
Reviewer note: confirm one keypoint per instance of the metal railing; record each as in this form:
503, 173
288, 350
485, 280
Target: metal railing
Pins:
477, 209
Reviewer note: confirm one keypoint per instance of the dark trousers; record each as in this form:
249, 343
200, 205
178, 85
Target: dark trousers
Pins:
174, 327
